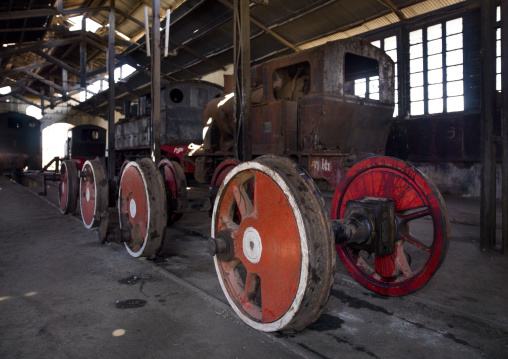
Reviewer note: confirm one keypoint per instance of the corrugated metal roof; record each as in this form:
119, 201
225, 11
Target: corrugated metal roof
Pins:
201, 39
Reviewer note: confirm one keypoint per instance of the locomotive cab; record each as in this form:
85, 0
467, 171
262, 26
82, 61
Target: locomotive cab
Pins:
324, 107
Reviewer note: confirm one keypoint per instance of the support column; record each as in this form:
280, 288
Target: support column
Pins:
156, 82
111, 97
242, 99
488, 178
82, 53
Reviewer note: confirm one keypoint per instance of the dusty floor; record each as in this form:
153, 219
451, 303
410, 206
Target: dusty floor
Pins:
62, 295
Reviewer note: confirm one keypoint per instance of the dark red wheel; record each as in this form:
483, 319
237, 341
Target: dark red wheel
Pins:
142, 207
175, 184
222, 171
93, 193
68, 187
418, 254
280, 273
124, 163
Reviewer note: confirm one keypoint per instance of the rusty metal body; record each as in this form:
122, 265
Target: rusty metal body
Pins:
304, 107
181, 109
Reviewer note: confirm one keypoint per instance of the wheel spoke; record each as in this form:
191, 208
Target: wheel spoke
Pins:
243, 201
251, 286
401, 261
408, 237
405, 218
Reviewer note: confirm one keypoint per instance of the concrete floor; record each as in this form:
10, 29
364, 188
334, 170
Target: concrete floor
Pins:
62, 295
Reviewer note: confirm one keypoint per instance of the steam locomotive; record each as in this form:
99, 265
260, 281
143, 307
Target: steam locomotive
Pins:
85, 142
310, 107
20, 143
182, 105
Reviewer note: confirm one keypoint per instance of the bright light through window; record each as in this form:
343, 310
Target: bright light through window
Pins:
34, 112
123, 72
91, 25
5, 90
436, 80
370, 86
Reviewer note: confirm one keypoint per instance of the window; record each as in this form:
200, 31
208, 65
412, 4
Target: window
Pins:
498, 51
436, 69
291, 82
389, 45
361, 76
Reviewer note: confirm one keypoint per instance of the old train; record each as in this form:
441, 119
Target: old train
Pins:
181, 110
20, 143
305, 106
273, 242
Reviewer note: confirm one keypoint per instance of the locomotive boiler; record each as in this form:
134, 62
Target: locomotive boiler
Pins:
308, 106
20, 143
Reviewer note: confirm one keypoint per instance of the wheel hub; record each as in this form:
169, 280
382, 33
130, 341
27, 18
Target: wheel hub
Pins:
252, 246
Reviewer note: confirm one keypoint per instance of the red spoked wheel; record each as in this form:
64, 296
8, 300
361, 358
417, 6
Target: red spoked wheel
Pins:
280, 274
93, 193
419, 250
222, 171
68, 187
122, 168
142, 207
175, 184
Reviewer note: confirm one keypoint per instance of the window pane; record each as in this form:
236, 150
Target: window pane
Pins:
392, 54
360, 88
416, 80
454, 42
435, 62
376, 43
435, 91
498, 82
416, 51
454, 26
436, 106
454, 58
374, 84
434, 47
498, 48
498, 13
416, 65
455, 88
417, 108
435, 76
455, 103
390, 43
498, 34
416, 94
374, 96
434, 32
415, 37
454, 73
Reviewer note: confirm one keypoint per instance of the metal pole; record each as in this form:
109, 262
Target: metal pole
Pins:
111, 82
82, 53
242, 88
504, 124
488, 184
166, 38
147, 32
156, 82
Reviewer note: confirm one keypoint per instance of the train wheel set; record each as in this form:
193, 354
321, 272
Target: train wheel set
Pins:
273, 243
